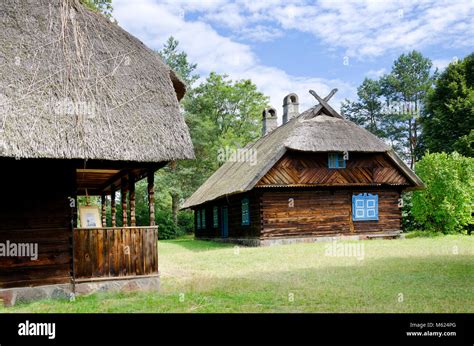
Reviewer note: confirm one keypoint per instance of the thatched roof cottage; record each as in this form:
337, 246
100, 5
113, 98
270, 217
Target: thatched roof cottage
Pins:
85, 109
316, 176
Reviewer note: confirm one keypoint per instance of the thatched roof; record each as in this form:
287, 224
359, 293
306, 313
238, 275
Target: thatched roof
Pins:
314, 130
75, 85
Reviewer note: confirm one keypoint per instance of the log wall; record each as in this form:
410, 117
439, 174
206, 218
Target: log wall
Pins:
34, 208
234, 207
324, 213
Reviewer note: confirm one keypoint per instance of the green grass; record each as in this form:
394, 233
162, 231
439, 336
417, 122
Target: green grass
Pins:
433, 275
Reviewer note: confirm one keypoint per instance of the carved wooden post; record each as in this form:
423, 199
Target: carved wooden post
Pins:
104, 206
151, 196
113, 209
123, 196
131, 197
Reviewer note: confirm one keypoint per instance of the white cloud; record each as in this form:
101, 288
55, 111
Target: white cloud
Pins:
154, 22
364, 29
374, 74
260, 33
441, 64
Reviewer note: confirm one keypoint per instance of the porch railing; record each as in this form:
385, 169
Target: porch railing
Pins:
112, 252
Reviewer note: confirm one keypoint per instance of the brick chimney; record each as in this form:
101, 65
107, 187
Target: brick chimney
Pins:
269, 120
290, 107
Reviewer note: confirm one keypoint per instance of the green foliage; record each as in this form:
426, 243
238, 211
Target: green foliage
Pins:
449, 120
178, 61
446, 205
219, 113
101, 6
422, 234
409, 223
222, 113
367, 111
406, 86
390, 107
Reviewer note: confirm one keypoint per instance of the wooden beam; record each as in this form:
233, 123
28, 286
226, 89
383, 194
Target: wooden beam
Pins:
325, 105
103, 201
151, 196
123, 196
131, 197
112, 206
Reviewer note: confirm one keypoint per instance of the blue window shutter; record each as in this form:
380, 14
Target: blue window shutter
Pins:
341, 163
365, 207
245, 212
336, 160
332, 160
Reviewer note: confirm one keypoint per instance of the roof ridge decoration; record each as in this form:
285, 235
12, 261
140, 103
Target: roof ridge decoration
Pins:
323, 104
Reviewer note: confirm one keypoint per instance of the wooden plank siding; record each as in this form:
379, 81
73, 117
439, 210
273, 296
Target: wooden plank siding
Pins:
115, 251
34, 208
324, 213
234, 207
299, 168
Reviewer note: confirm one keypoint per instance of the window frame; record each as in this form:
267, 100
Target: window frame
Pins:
245, 212
336, 161
215, 217
363, 204
203, 218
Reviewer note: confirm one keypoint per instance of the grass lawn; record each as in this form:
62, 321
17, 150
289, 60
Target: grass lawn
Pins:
406, 275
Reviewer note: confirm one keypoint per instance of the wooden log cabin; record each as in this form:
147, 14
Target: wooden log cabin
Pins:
85, 109
317, 176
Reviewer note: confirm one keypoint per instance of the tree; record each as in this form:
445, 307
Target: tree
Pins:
175, 177
101, 6
405, 89
178, 61
223, 114
219, 113
367, 111
448, 122
446, 205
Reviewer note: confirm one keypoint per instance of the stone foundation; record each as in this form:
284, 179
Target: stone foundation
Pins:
11, 296
294, 240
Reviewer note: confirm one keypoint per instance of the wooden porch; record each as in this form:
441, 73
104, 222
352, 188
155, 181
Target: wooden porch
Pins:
117, 248
115, 252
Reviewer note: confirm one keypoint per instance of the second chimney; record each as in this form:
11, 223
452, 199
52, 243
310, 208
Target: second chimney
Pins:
290, 107
269, 120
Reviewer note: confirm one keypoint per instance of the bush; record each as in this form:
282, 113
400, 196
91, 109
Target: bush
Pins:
446, 203
409, 223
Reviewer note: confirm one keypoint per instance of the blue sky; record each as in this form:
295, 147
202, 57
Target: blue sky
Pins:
293, 46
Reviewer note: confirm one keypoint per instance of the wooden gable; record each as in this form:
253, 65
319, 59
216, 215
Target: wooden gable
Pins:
309, 169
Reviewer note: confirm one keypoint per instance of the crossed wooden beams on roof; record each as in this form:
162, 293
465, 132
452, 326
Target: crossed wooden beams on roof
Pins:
323, 104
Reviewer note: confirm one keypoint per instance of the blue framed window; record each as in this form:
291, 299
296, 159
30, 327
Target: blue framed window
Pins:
245, 212
203, 218
336, 160
198, 219
365, 207
215, 217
